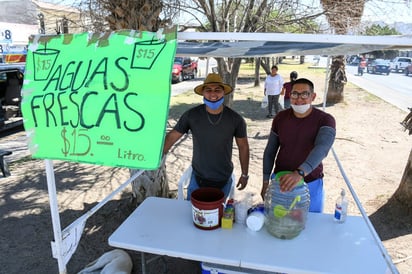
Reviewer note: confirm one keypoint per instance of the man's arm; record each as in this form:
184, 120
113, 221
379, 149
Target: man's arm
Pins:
323, 142
171, 138
243, 147
269, 155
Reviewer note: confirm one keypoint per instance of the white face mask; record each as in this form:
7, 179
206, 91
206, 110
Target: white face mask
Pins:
300, 108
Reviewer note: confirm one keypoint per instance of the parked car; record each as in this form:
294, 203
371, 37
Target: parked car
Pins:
400, 63
379, 66
408, 70
184, 68
354, 60
11, 81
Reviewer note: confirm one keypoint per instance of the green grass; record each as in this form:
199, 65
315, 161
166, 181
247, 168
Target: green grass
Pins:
288, 65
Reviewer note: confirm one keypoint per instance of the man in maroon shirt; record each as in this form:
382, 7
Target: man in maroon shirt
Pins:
300, 138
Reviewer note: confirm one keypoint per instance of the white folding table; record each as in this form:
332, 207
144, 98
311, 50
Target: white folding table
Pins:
164, 226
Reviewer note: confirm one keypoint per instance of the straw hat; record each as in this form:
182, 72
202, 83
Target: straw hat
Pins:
213, 78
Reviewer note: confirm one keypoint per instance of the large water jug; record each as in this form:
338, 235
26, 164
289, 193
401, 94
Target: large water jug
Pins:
286, 212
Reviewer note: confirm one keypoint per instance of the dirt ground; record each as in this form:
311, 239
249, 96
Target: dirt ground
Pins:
371, 146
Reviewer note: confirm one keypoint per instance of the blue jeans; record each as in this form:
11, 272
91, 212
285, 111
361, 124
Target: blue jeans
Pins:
193, 186
317, 195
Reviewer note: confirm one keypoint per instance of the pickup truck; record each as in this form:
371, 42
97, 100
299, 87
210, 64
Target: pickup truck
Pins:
184, 68
400, 63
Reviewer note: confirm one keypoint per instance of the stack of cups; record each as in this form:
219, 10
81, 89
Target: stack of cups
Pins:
242, 205
256, 217
241, 208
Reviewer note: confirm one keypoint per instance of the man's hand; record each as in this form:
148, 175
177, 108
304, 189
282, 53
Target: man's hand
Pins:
264, 188
289, 181
242, 183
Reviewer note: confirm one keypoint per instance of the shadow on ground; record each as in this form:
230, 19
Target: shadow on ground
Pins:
392, 220
26, 223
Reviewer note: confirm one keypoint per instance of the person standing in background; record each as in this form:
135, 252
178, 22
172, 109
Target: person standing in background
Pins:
287, 88
273, 86
361, 66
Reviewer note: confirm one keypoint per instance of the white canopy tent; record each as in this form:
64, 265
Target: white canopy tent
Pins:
229, 44
237, 44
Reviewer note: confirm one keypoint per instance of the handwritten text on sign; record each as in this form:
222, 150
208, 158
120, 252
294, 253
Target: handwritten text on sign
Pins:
100, 99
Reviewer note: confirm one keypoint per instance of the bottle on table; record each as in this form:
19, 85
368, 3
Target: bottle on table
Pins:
341, 208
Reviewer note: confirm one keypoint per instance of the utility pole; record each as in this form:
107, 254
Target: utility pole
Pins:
65, 25
42, 29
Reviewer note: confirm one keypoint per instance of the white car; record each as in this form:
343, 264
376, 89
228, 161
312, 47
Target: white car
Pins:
400, 63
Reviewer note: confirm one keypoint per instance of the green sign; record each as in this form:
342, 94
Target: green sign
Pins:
99, 98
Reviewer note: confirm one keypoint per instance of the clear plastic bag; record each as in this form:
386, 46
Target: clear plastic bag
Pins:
264, 103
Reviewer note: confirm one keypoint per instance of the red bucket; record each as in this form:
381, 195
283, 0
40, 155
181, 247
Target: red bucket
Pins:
207, 207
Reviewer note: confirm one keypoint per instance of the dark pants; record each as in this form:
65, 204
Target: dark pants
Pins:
273, 102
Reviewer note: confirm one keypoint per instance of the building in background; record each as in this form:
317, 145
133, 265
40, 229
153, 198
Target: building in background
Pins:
20, 19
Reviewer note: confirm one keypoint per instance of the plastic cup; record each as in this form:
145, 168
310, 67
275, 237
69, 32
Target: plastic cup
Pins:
255, 220
241, 212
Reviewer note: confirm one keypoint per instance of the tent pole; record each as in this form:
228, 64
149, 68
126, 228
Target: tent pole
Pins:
207, 66
326, 82
372, 230
54, 209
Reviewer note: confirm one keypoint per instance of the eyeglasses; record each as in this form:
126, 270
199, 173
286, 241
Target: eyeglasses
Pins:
303, 95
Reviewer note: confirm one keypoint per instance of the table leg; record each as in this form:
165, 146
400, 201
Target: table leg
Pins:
143, 262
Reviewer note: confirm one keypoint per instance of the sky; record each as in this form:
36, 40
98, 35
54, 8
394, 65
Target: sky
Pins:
388, 11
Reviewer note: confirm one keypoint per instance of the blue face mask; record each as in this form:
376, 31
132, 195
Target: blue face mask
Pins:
215, 104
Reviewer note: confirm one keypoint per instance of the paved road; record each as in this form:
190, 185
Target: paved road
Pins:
394, 88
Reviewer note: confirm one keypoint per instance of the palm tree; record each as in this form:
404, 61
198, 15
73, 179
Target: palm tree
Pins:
403, 194
341, 15
142, 15
139, 15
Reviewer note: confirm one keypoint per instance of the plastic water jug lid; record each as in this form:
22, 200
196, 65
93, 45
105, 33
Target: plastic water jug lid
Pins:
281, 173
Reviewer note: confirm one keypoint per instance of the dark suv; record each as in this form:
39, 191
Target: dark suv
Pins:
11, 82
378, 66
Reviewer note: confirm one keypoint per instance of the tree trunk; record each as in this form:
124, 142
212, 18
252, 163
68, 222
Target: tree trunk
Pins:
150, 183
229, 71
143, 16
341, 15
404, 192
257, 70
337, 80
265, 64
138, 15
